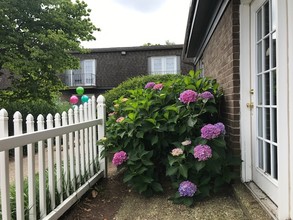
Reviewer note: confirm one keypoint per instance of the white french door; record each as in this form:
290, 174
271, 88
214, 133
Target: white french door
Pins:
265, 145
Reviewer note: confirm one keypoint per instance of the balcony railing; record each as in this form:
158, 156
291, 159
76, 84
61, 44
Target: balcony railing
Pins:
72, 80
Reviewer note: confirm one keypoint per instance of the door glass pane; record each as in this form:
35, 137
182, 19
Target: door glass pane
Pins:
267, 123
259, 57
267, 158
266, 19
275, 162
259, 25
267, 53
273, 45
274, 125
260, 154
260, 122
274, 87
88, 71
259, 89
267, 88
274, 14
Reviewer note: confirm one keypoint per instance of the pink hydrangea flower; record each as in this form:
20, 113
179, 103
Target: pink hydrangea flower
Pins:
112, 113
188, 96
210, 131
119, 158
202, 152
185, 143
187, 188
221, 126
149, 85
206, 95
158, 86
177, 152
120, 119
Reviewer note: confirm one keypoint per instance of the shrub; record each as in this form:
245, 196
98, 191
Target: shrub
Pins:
135, 83
171, 128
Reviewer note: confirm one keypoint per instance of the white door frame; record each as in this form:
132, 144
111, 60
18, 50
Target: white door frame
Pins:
290, 80
282, 97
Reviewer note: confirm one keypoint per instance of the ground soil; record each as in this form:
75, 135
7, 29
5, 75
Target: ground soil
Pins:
102, 201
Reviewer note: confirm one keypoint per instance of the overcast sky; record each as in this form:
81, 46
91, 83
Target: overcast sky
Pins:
126, 23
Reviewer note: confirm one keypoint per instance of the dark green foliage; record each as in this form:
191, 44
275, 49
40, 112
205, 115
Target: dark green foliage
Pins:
37, 41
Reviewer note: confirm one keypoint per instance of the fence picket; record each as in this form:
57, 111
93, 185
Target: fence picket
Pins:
18, 157
65, 153
76, 147
90, 139
31, 171
94, 116
4, 168
82, 152
57, 119
51, 163
42, 177
86, 137
71, 151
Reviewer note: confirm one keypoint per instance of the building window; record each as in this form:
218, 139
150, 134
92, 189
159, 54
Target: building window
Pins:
164, 65
84, 76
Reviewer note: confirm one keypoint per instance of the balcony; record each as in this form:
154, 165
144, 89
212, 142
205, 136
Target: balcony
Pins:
73, 80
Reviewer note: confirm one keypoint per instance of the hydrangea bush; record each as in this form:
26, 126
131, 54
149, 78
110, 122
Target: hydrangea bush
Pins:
171, 129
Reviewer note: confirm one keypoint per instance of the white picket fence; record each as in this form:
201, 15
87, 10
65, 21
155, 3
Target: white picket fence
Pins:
69, 162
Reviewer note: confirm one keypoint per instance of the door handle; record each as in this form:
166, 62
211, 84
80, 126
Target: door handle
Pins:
250, 105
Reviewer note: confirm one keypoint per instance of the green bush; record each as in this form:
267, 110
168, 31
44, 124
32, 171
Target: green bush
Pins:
171, 129
135, 83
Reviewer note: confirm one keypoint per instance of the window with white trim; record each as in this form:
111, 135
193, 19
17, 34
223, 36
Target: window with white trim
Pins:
164, 65
84, 76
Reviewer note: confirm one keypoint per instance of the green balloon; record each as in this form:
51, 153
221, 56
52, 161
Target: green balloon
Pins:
80, 90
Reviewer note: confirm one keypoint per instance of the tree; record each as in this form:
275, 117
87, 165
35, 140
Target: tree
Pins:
167, 42
37, 38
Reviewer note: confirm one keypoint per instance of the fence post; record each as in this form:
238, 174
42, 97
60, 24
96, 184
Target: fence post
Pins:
17, 122
4, 168
101, 108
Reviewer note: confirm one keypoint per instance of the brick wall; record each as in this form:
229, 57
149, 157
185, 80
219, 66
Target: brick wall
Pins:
221, 61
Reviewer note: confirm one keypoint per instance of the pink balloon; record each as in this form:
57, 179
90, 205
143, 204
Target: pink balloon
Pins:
73, 99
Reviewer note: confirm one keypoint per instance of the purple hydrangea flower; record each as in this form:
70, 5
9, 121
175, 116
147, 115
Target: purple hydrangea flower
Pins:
210, 131
149, 85
206, 95
202, 152
119, 158
188, 96
187, 188
158, 86
222, 127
